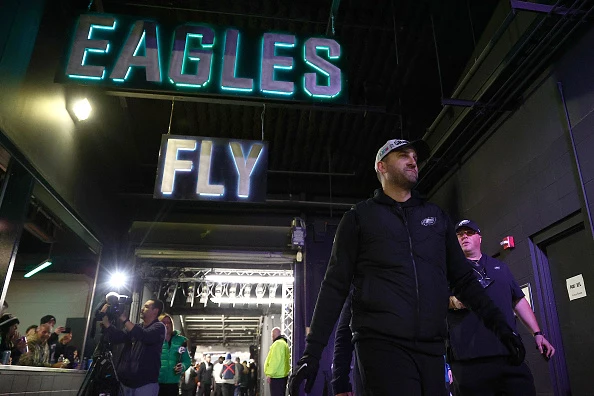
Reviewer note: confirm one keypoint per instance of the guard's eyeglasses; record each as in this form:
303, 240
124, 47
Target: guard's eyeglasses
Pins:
469, 233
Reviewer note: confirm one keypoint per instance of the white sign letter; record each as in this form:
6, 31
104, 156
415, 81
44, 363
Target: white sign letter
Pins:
204, 187
172, 164
245, 166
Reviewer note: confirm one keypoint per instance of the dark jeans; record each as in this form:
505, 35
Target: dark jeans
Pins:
492, 377
188, 392
390, 369
278, 386
218, 390
228, 389
168, 389
204, 389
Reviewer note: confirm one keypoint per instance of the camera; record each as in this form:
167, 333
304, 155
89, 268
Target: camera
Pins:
117, 304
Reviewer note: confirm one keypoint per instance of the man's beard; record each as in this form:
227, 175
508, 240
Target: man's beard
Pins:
401, 180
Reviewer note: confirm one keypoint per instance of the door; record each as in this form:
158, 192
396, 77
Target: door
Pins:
571, 254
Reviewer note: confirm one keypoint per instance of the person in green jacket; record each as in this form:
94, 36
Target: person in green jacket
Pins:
276, 366
175, 359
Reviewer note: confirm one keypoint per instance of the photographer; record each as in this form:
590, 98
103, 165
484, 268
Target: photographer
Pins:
140, 361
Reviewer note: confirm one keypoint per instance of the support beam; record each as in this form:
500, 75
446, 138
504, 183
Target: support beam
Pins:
543, 8
214, 99
332, 17
460, 102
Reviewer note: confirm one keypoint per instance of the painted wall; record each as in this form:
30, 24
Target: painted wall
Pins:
524, 177
61, 295
33, 114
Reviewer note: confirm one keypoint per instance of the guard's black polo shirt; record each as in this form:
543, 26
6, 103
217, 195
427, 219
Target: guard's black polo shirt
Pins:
469, 338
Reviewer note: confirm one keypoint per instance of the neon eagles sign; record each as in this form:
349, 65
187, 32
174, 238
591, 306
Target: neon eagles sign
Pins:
193, 58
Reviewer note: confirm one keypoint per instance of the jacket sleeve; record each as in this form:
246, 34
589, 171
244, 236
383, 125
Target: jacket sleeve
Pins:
186, 361
343, 351
466, 288
117, 336
336, 284
153, 334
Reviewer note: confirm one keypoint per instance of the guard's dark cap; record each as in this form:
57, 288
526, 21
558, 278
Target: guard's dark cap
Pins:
468, 224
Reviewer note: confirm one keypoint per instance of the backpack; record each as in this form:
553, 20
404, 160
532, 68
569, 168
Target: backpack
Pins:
228, 371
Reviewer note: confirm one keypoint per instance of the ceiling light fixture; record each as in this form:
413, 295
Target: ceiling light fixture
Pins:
249, 279
43, 265
46, 263
240, 300
82, 109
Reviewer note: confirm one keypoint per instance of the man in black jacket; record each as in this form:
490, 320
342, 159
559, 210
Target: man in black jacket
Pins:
399, 253
477, 357
140, 361
205, 377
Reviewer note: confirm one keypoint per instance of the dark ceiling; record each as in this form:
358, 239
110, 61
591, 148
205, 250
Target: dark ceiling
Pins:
394, 90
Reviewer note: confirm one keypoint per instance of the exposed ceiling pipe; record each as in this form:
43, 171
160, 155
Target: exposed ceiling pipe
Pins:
515, 81
478, 62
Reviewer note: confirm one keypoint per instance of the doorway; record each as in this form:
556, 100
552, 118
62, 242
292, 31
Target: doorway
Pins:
560, 255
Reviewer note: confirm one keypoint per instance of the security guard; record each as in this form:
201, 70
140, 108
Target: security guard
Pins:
478, 359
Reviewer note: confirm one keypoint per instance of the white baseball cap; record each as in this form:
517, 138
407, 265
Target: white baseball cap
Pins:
420, 146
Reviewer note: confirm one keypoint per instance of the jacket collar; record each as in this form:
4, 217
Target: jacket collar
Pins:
415, 200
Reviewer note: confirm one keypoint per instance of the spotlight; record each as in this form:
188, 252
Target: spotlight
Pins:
190, 294
260, 290
272, 290
247, 290
43, 265
232, 291
218, 290
118, 280
82, 109
204, 295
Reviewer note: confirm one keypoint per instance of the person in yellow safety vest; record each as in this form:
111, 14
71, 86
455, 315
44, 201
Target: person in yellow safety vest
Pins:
277, 367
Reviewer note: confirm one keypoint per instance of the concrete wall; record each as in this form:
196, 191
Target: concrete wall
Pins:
37, 381
524, 177
61, 295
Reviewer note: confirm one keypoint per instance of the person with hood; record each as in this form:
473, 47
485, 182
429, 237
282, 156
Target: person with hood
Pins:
217, 370
399, 253
39, 352
10, 339
205, 374
244, 379
175, 358
229, 376
277, 366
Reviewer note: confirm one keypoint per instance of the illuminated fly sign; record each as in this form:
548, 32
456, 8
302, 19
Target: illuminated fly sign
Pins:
193, 58
202, 168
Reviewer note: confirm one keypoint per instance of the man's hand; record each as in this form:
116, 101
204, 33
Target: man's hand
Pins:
514, 345
544, 347
178, 368
268, 379
59, 330
105, 319
455, 303
307, 369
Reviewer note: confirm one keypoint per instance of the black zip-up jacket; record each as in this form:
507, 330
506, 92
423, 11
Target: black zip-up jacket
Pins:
140, 360
400, 258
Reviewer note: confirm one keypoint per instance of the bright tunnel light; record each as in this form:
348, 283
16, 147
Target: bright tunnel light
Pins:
82, 109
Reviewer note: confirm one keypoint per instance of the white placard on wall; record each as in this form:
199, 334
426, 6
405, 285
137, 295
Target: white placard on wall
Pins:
576, 287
